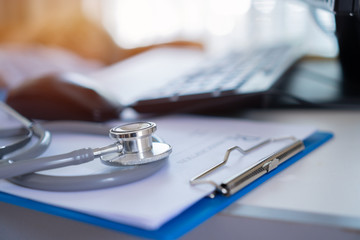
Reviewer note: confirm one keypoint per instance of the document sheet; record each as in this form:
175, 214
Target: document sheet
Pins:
198, 143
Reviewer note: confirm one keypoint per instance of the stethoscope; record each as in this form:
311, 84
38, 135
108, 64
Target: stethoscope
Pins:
135, 154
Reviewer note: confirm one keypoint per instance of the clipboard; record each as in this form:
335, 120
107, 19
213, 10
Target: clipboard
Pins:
185, 221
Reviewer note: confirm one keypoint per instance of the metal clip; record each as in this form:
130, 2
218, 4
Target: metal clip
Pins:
243, 179
269, 166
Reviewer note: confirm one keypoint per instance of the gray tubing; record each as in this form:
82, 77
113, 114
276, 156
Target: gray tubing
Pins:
44, 140
25, 134
16, 168
123, 175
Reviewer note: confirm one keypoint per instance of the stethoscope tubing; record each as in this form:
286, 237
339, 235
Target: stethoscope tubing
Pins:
16, 168
124, 175
43, 142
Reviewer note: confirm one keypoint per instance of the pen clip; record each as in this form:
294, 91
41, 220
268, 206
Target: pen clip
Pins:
266, 165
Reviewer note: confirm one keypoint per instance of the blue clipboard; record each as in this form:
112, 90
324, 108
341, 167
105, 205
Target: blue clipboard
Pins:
187, 220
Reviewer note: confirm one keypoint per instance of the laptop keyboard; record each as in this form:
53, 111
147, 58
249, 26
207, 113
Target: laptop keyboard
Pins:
230, 77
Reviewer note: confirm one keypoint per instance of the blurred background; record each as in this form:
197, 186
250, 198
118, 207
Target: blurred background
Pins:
216, 23
41, 36
134, 23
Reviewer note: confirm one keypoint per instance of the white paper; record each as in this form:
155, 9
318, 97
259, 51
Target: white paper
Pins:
198, 143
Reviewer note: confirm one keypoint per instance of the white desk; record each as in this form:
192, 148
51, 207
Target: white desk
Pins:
316, 198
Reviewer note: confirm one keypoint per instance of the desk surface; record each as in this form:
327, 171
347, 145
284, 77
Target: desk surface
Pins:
327, 180
316, 197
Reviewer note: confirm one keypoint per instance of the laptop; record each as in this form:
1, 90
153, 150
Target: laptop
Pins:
173, 80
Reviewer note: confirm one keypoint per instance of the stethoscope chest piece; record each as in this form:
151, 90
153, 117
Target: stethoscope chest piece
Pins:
138, 145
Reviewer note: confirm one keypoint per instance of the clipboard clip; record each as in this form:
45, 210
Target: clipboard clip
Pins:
265, 165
